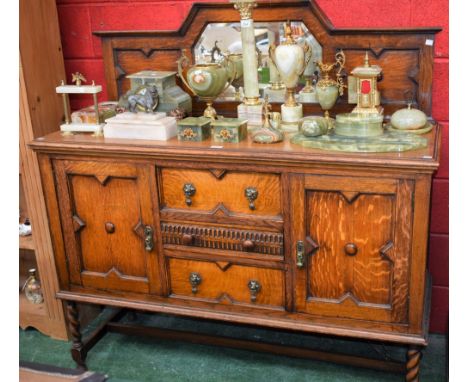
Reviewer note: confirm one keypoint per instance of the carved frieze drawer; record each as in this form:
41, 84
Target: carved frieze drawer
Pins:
268, 243
227, 283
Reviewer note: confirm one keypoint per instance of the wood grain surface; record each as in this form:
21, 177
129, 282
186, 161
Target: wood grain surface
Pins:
373, 218
93, 196
228, 285
223, 196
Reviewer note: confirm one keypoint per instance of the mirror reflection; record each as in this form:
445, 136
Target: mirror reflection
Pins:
224, 39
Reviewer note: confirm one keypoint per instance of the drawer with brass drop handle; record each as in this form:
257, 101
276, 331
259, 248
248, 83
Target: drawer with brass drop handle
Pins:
226, 283
221, 191
230, 239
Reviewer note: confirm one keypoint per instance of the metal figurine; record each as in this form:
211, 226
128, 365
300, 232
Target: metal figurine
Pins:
77, 78
145, 98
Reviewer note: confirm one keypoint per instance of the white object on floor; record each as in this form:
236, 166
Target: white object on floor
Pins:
155, 126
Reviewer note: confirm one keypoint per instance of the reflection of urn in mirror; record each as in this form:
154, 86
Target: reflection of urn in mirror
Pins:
238, 81
327, 88
207, 81
290, 60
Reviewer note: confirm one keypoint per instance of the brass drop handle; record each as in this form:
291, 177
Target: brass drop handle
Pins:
248, 245
195, 280
189, 190
254, 288
351, 249
251, 193
300, 254
187, 239
110, 227
149, 243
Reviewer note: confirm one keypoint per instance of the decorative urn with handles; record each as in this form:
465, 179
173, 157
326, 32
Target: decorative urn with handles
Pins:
207, 81
290, 60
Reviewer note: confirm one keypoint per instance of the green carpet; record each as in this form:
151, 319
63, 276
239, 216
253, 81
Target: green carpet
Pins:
137, 359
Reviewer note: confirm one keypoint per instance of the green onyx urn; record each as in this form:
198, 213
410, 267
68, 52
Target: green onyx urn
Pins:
232, 130
207, 81
194, 129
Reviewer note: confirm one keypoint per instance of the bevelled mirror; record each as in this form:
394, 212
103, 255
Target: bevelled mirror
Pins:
221, 39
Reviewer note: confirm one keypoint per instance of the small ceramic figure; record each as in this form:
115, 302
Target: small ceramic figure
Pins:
267, 133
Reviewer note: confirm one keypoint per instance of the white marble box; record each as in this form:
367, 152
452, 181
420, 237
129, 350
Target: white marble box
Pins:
128, 125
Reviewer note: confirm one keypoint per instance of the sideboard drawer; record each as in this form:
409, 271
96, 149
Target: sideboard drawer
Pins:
226, 283
222, 238
228, 192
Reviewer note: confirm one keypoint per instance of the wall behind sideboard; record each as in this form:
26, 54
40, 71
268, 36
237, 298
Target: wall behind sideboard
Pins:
82, 52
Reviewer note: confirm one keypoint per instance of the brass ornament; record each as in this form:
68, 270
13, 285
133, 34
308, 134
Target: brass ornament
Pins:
325, 70
77, 78
245, 9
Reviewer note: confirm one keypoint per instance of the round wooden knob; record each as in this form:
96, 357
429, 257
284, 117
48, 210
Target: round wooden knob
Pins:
187, 239
248, 245
110, 228
351, 249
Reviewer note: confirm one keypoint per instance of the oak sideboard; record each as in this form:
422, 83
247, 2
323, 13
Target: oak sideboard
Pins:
275, 235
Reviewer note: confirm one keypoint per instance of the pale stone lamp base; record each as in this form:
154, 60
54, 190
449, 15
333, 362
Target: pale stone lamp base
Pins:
291, 115
252, 113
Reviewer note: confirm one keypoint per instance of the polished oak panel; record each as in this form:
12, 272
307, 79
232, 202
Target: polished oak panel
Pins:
105, 215
355, 234
227, 283
222, 195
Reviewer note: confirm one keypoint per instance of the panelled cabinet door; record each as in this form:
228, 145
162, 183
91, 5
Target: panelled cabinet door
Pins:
108, 224
351, 242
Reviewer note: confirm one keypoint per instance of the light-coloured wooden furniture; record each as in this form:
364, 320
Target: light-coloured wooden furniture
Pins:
41, 69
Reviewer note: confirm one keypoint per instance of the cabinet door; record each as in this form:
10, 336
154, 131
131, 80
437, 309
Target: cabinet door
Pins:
352, 242
108, 224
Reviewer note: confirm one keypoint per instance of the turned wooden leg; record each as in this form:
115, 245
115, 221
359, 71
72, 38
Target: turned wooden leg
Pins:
78, 353
413, 358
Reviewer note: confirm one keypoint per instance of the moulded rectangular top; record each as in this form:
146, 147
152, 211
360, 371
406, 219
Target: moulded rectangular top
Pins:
245, 152
75, 89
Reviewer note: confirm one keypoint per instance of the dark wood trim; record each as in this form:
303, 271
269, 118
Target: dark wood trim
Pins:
282, 350
272, 320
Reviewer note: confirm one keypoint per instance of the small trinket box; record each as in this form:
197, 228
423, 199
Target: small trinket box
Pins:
231, 130
194, 129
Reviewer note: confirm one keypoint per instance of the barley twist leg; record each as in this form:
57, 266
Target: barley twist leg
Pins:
413, 359
77, 351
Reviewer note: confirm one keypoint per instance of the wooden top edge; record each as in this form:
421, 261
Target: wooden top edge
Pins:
283, 153
239, 317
